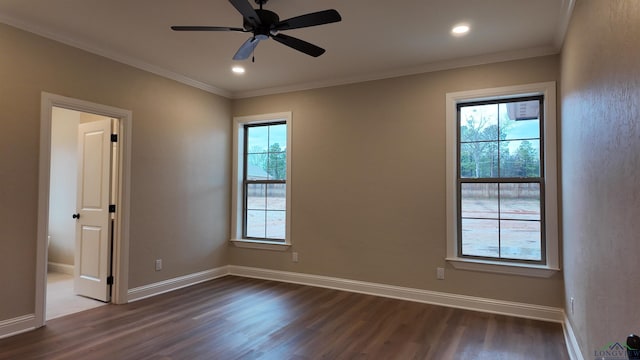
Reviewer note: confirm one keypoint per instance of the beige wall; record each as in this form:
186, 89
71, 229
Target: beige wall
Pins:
368, 172
368, 182
601, 171
180, 162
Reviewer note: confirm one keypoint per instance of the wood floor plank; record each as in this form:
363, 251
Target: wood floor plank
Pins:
242, 318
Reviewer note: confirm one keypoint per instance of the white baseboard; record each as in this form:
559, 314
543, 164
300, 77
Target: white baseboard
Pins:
538, 312
522, 310
61, 268
573, 348
17, 325
529, 311
161, 287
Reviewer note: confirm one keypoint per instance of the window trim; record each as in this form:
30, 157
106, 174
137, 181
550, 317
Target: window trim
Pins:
237, 183
548, 90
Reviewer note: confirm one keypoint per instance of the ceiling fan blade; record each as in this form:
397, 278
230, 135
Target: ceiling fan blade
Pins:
206, 28
246, 49
299, 45
247, 11
312, 19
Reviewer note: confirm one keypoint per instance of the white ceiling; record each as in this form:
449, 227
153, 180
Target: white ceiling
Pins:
375, 38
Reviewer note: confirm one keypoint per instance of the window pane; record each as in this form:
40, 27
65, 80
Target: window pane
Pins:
520, 240
278, 135
480, 237
479, 201
520, 201
520, 158
467, 164
479, 159
276, 197
479, 123
276, 221
277, 165
256, 197
257, 139
256, 223
513, 128
523, 110
257, 167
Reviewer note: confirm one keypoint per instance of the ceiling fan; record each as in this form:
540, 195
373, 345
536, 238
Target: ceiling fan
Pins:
265, 24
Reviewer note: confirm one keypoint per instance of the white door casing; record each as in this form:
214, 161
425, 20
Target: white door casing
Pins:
93, 230
120, 255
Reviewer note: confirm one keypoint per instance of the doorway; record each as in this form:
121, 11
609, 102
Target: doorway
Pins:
63, 296
74, 252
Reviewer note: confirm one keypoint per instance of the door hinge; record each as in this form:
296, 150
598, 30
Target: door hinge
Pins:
112, 208
109, 280
114, 137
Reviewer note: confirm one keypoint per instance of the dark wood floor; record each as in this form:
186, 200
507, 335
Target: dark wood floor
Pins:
240, 318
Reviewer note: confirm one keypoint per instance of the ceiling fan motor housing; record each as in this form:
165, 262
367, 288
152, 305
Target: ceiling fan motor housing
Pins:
267, 20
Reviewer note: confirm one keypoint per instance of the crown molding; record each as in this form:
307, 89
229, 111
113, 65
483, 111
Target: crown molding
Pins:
127, 60
421, 69
566, 11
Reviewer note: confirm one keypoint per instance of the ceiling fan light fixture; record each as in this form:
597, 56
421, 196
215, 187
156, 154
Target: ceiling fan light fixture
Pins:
238, 70
460, 29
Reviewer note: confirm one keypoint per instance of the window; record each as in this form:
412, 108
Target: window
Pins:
261, 184
501, 180
265, 181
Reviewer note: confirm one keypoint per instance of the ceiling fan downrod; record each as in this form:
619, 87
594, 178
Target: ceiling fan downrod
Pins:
261, 2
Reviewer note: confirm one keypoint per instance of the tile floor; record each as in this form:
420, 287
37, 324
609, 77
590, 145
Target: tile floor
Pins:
61, 300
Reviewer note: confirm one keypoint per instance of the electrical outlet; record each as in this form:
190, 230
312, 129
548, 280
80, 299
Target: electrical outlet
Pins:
158, 264
440, 273
294, 256
572, 305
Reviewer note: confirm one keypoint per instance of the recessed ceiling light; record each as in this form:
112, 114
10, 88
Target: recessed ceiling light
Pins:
460, 29
238, 69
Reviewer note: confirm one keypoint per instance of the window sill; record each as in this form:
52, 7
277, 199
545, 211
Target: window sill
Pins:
261, 245
542, 271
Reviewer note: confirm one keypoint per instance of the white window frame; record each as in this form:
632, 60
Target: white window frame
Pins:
237, 189
548, 90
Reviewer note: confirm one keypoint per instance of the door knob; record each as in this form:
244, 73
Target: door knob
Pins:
76, 216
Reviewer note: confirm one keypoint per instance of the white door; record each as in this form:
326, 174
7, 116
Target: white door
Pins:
93, 231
